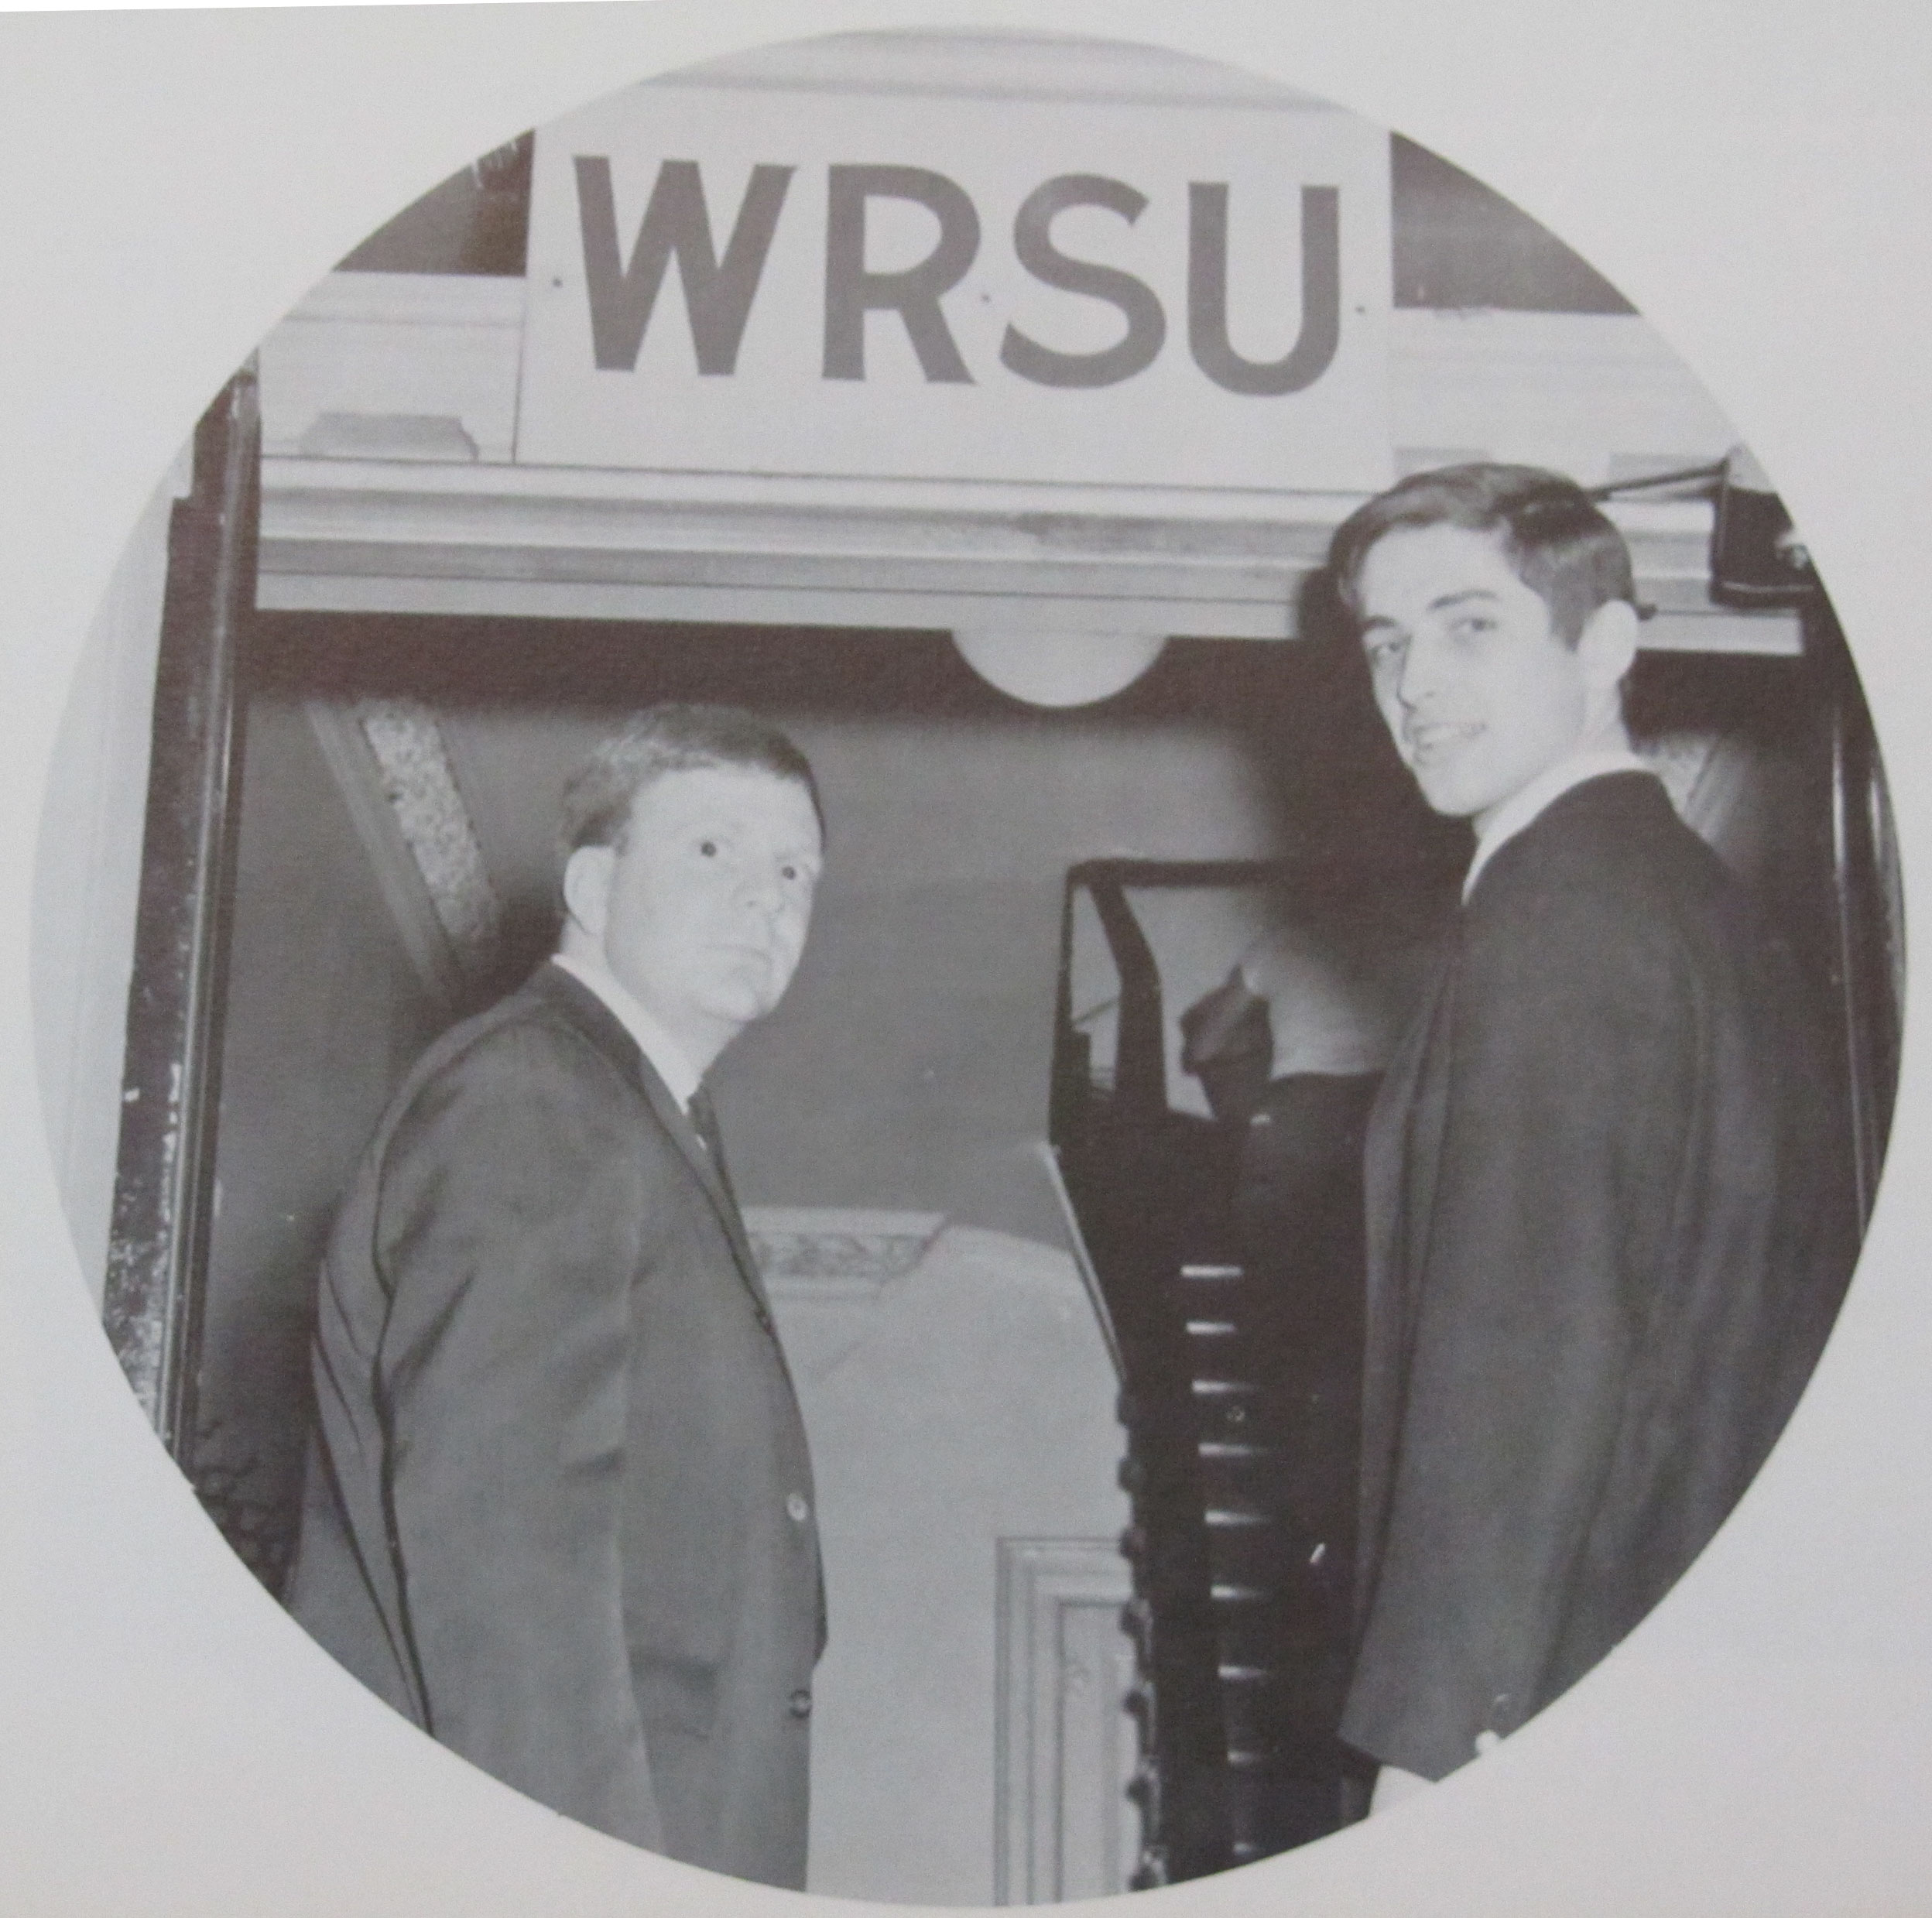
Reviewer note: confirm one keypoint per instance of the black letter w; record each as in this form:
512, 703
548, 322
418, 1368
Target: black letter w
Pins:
717, 293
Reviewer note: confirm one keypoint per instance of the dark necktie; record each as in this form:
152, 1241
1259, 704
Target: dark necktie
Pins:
704, 1123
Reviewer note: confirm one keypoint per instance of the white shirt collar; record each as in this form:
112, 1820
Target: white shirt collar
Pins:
1528, 801
666, 1055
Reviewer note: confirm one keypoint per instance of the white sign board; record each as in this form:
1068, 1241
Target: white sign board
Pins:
749, 281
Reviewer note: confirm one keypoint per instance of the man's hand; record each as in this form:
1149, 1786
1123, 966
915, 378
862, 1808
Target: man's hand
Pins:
1392, 1785
1228, 1044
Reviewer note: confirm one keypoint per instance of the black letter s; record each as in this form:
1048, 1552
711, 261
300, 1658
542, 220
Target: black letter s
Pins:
1032, 241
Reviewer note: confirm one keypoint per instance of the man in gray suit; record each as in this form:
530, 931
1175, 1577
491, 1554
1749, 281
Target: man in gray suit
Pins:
558, 1509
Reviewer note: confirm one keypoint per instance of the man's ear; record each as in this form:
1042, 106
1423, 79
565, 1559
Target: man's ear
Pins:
1608, 645
588, 877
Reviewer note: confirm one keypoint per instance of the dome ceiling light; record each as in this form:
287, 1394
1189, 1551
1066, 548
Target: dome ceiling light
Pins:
1041, 666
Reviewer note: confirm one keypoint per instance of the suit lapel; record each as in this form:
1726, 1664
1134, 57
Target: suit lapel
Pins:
1426, 1106
604, 1030
710, 1174
1398, 1183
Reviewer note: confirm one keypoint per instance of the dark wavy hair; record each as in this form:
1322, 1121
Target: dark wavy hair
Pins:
1557, 540
672, 739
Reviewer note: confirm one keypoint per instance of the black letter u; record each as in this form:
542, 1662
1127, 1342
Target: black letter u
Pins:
1307, 359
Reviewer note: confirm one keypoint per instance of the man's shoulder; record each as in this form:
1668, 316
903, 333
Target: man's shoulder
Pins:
1605, 904
1612, 849
1611, 911
547, 1038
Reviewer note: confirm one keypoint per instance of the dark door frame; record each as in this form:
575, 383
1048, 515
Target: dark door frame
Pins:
164, 1181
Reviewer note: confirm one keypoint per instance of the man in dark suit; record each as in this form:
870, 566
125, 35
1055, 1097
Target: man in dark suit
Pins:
559, 1508
1590, 1303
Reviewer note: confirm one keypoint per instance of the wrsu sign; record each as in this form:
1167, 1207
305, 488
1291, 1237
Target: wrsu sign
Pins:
949, 289
719, 284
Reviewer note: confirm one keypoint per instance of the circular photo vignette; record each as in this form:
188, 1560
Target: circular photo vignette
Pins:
467, 570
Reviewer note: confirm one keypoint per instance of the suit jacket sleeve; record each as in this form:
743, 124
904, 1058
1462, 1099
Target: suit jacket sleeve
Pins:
509, 1234
1558, 1104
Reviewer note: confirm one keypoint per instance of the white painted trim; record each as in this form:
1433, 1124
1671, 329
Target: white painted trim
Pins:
697, 491
1082, 1258
1041, 1771
565, 543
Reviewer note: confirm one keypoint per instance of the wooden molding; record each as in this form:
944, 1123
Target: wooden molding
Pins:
1065, 1746
823, 1252
371, 536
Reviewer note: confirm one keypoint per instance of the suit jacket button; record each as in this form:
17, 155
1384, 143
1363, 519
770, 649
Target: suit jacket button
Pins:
800, 1704
796, 1508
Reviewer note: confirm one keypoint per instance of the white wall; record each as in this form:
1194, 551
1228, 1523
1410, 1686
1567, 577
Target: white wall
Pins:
963, 1406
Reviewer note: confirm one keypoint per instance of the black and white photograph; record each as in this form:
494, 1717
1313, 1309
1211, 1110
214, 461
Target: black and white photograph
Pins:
968, 965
